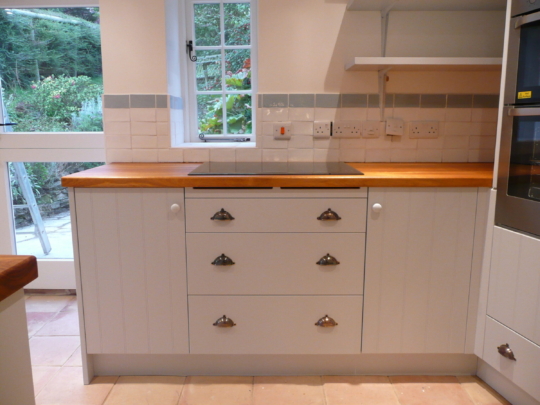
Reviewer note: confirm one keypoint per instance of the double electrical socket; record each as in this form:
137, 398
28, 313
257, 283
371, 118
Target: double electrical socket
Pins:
424, 129
356, 129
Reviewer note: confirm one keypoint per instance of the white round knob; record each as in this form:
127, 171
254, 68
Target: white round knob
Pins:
175, 208
377, 208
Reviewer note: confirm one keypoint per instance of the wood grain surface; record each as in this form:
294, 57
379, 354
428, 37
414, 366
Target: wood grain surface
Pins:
165, 175
15, 273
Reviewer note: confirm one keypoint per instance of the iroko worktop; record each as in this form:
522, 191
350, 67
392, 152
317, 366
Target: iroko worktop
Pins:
375, 175
15, 273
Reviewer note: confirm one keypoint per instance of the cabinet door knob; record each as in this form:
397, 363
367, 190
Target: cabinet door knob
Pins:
223, 261
505, 351
224, 322
328, 260
175, 208
326, 322
222, 215
376, 208
329, 215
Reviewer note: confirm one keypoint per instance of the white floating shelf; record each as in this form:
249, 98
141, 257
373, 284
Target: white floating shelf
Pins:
427, 5
423, 64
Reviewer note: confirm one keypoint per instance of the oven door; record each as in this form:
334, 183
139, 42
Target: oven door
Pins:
523, 71
518, 184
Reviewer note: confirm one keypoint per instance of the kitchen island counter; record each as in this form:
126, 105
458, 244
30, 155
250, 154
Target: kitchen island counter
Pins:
175, 175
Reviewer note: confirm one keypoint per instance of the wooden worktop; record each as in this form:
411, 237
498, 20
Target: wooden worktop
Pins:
375, 175
15, 273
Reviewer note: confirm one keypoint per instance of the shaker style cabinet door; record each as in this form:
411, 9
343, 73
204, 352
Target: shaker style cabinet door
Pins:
133, 270
418, 269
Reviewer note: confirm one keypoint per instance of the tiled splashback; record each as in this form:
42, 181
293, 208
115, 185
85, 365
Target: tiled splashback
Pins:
139, 128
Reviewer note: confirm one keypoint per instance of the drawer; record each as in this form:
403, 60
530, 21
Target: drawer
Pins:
275, 325
276, 215
525, 370
275, 263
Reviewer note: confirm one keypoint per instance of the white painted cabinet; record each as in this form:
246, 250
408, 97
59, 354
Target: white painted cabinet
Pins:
418, 269
133, 270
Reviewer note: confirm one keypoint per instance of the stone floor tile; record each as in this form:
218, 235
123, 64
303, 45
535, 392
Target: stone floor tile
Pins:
209, 390
480, 392
52, 350
142, 390
63, 324
297, 390
37, 320
349, 390
75, 360
42, 375
430, 390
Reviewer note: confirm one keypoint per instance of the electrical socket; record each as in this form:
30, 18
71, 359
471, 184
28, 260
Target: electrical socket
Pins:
424, 129
283, 130
395, 126
347, 129
371, 129
321, 129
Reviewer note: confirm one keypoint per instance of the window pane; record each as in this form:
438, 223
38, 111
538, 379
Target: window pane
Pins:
208, 70
237, 23
239, 114
238, 65
210, 114
207, 24
51, 69
44, 232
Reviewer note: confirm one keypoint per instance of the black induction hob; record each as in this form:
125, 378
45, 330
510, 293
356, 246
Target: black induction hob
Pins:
274, 168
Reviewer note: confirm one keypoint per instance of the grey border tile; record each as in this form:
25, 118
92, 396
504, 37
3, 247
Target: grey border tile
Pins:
389, 100
327, 100
373, 100
116, 101
301, 100
406, 100
259, 100
142, 101
354, 100
275, 100
486, 101
433, 100
161, 101
459, 101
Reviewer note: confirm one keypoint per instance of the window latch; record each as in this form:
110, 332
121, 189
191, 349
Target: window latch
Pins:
189, 50
7, 124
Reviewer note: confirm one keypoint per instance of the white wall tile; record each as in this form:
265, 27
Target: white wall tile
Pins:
302, 128
456, 142
432, 114
355, 143
436, 143
163, 114
248, 155
404, 142
222, 155
378, 155
118, 142
144, 142
353, 114
457, 128
374, 114
429, 155
193, 155
325, 155
274, 114
327, 114
301, 142
163, 142
145, 155
274, 155
170, 155
455, 155
270, 143
382, 142
330, 143
268, 128
143, 114
407, 114
403, 155
301, 114
143, 128
117, 128
119, 155
352, 155
300, 155
116, 114
481, 142
458, 114
484, 128
485, 114
482, 155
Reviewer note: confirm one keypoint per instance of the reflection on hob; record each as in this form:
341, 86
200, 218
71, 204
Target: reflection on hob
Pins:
273, 168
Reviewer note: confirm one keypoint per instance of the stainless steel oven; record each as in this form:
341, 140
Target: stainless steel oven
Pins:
518, 183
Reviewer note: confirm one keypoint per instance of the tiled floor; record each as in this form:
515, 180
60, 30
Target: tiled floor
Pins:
56, 364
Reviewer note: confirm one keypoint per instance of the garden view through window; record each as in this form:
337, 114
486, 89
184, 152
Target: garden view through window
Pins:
223, 80
50, 69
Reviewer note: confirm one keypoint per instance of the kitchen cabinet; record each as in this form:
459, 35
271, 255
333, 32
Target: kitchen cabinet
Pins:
132, 270
418, 269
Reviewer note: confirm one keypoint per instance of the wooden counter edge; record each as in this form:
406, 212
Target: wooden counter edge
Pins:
15, 273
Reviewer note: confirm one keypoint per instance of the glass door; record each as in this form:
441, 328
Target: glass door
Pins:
51, 89
528, 77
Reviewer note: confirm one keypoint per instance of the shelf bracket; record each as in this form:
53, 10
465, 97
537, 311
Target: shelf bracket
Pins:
382, 90
385, 14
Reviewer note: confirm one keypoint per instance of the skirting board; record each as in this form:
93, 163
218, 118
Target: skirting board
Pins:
503, 385
361, 364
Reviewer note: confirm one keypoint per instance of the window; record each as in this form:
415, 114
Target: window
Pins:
222, 79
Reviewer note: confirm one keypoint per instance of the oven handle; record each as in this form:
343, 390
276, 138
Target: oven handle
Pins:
526, 19
524, 112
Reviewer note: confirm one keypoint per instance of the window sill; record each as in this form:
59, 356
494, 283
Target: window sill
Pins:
212, 145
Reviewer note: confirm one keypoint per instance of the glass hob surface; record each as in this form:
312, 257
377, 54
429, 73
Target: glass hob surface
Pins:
274, 168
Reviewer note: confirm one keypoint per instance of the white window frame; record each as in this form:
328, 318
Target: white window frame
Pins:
190, 93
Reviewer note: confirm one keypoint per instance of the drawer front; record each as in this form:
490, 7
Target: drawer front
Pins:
525, 370
276, 263
276, 215
275, 325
